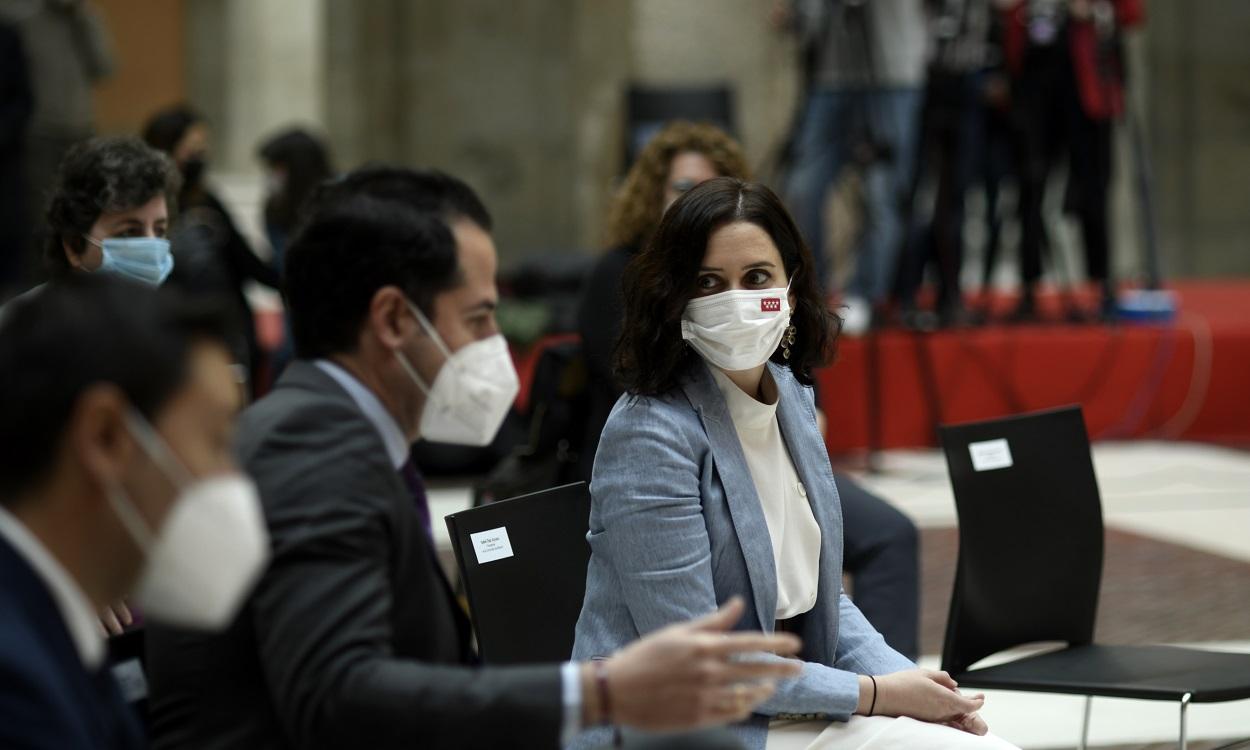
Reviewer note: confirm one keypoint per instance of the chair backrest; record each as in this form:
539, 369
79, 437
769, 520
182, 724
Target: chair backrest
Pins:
1030, 534
523, 562
649, 109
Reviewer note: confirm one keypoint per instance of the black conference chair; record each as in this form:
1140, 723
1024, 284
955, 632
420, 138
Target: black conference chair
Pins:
649, 109
1029, 571
523, 562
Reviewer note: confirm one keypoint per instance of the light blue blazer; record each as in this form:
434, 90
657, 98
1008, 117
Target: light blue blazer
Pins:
676, 528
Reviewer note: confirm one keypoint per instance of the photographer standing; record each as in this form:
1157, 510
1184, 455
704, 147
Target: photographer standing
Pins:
1067, 72
864, 62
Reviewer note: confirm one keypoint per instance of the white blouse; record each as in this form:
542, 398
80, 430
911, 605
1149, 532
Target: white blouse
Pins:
792, 526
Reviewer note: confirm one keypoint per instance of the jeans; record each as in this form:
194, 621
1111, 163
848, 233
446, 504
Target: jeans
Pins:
951, 143
826, 137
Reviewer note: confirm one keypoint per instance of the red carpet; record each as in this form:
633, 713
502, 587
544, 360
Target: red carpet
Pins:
1187, 379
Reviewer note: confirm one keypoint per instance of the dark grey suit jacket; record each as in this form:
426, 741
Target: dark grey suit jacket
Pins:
352, 639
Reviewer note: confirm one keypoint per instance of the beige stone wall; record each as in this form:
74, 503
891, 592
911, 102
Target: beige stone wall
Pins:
1197, 56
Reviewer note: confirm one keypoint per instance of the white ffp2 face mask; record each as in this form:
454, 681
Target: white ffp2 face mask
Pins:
210, 550
472, 391
739, 329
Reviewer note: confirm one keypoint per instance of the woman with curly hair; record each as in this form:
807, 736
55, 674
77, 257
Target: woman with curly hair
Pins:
682, 155
110, 211
712, 481
215, 258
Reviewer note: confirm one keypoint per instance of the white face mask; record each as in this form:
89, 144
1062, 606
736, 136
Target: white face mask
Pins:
472, 392
211, 549
739, 329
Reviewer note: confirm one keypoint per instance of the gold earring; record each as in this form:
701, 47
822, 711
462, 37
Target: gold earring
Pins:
787, 341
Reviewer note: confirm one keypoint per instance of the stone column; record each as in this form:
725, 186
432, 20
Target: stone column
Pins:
255, 66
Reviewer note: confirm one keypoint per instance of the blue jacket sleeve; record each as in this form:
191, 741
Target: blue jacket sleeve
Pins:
647, 519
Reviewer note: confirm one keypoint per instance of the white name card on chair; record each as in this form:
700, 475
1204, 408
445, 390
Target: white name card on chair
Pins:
988, 455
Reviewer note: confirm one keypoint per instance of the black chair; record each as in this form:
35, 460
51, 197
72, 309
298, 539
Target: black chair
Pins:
523, 562
649, 109
1030, 567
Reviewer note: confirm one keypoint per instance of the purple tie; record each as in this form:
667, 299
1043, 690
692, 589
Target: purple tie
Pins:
416, 488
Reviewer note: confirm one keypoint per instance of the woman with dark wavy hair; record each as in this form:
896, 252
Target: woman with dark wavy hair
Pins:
712, 480
881, 544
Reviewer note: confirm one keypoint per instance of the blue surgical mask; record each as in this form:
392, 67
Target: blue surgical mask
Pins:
144, 259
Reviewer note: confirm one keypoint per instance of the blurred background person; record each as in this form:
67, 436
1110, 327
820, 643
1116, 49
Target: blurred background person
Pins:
881, 551
109, 212
116, 476
294, 162
1067, 67
213, 256
864, 73
952, 144
996, 170
16, 103
68, 51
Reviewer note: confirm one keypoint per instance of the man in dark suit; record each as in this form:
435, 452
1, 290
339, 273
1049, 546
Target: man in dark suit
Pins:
353, 638
104, 386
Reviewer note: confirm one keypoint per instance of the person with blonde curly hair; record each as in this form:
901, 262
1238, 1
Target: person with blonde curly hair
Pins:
680, 156
882, 545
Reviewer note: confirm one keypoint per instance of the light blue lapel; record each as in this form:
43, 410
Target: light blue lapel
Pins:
740, 495
797, 421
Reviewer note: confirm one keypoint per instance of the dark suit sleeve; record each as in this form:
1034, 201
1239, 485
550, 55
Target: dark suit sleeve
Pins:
28, 715
322, 618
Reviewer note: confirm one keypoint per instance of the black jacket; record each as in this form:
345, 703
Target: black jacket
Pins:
47, 698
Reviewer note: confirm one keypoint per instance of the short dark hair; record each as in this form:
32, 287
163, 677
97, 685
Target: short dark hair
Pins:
166, 128
79, 331
349, 249
659, 281
103, 175
425, 190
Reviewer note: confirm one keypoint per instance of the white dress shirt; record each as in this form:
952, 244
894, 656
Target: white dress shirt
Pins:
81, 619
792, 526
